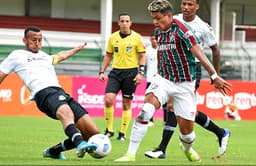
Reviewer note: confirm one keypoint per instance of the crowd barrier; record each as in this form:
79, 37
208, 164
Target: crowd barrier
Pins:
89, 92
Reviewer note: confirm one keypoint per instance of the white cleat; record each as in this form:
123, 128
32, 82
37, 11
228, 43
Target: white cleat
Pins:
156, 154
224, 142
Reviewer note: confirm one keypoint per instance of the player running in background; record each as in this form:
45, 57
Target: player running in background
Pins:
128, 52
177, 49
35, 69
207, 38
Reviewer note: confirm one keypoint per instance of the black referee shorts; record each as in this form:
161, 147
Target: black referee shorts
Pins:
50, 99
122, 79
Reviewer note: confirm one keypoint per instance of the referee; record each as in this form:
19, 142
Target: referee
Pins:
127, 49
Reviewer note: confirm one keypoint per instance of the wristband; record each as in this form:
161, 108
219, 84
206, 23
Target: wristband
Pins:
142, 69
214, 76
102, 72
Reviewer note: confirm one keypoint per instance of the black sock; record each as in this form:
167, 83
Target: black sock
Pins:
203, 120
165, 112
74, 134
169, 128
62, 146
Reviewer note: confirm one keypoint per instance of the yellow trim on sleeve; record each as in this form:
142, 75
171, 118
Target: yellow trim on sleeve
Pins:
55, 59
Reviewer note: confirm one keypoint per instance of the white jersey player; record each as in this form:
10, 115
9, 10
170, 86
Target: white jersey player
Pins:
29, 67
151, 58
202, 30
36, 70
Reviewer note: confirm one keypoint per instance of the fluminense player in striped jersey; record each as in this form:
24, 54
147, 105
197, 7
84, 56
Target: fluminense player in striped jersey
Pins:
207, 38
177, 48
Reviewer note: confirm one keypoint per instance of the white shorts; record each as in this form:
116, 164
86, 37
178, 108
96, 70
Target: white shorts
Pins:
184, 100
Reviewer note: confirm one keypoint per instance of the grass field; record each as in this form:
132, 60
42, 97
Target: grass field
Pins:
22, 140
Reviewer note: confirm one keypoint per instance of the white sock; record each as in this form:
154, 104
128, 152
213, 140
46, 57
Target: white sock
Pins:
187, 140
138, 132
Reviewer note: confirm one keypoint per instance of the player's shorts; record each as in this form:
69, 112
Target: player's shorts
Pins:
122, 79
198, 75
50, 99
184, 100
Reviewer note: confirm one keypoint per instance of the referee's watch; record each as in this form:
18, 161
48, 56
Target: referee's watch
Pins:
142, 70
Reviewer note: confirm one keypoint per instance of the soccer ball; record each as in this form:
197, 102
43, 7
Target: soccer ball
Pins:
103, 145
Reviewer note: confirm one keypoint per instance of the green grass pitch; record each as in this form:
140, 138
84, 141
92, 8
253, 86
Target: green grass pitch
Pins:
22, 140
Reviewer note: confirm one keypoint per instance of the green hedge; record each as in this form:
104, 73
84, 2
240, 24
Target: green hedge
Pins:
86, 54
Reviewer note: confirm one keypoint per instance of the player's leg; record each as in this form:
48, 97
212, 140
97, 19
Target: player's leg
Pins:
67, 111
156, 91
55, 151
66, 116
87, 127
151, 121
184, 106
187, 138
47, 101
168, 131
140, 126
128, 88
126, 118
223, 134
109, 113
112, 88
203, 120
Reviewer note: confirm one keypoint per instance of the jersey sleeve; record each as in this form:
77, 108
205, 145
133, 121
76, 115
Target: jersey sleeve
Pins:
189, 38
141, 46
54, 59
9, 64
109, 46
208, 36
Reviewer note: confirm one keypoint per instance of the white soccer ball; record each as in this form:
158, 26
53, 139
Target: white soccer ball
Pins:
103, 145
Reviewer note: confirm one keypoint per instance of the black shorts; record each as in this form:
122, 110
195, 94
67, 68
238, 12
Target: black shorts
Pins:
50, 99
122, 79
198, 74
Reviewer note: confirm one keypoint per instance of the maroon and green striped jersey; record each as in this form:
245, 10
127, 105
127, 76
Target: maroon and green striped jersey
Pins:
177, 63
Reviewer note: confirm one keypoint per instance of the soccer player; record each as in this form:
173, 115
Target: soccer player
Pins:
128, 52
151, 64
35, 68
207, 38
177, 49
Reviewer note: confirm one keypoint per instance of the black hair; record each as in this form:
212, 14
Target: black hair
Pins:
124, 14
31, 28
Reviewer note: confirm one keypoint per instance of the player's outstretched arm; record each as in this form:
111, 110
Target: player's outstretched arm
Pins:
62, 55
218, 82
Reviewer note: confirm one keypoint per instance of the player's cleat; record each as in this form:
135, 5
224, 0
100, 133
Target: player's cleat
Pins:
83, 148
223, 142
108, 133
192, 155
126, 157
121, 137
157, 153
46, 153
